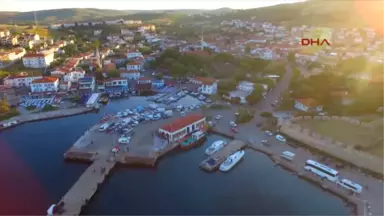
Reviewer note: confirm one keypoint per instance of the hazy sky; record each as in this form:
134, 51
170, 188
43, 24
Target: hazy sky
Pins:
30, 5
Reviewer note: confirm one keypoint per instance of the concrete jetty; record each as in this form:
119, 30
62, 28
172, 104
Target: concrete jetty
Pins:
212, 163
21, 119
86, 186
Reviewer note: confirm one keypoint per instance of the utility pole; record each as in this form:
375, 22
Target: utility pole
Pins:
202, 38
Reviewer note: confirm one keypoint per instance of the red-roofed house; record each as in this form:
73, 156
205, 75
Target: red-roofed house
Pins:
308, 105
208, 85
45, 84
130, 74
131, 54
182, 127
19, 80
135, 65
37, 60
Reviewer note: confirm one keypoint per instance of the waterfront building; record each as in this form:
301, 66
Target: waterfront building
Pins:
115, 84
308, 105
87, 84
21, 80
182, 127
45, 84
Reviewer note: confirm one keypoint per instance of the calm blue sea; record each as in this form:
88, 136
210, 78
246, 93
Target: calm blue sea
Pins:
34, 175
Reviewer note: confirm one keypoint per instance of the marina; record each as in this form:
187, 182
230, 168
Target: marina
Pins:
213, 162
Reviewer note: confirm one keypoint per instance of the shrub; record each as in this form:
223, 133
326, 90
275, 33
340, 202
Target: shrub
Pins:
31, 107
266, 114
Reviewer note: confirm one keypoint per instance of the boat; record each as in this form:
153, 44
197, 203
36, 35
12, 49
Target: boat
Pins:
216, 146
104, 100
195, 139
231, 161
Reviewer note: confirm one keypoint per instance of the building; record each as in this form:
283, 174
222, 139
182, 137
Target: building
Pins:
130, 74
37, 60
181, 127
147, 27
4, 33
207, 85
135, 65
116, 83
308, 105
144, 80
74, 76
131, 54
45, 84
246, 86
20, 80
87, 84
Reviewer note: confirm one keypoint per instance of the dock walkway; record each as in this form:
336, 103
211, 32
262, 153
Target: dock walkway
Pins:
86, 186
212, 162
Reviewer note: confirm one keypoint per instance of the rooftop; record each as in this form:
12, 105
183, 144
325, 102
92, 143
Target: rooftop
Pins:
46, 79
181, 123
309, 102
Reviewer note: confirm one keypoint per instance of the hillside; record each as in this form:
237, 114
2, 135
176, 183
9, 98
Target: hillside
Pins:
87, 14
337, 13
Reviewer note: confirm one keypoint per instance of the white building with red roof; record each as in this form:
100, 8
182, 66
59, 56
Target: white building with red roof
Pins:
21, 80
37, 60
135, 65
181, 127
207, 85
131, 54
130, 74
45, 84
308, 105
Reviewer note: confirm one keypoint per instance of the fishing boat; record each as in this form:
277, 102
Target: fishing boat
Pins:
104, 100
231, 161
215, 147
195, 139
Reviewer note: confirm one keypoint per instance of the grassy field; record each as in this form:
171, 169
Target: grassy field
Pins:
40, 30
347, 133
339, 130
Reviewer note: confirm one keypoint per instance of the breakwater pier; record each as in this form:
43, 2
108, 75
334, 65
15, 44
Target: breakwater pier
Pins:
86, 186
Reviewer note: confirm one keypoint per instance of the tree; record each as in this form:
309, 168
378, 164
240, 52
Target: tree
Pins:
266, 114
113, 73
178, 70
145, 50
247, 50
99, 75
4, 106
291, 57
225, 86
255, 96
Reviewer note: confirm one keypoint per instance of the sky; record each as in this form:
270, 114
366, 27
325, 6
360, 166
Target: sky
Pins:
31, 5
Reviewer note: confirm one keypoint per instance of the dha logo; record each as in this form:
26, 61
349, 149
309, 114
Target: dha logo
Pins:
311, 42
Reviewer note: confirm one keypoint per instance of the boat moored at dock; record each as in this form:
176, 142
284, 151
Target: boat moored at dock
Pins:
216, 146
231, 161
195, 139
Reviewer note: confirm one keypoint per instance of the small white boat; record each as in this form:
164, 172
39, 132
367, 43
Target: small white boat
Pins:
124, 140
231, 161
216, 146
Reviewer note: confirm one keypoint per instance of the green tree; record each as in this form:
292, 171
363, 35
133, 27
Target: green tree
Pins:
255, 96
99, 75
291, 57
247, 50
266, 114
113, 73
178, 70
4, 106
225, 86
145, 50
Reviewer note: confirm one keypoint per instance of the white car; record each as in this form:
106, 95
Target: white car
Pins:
218, 117
232, 124
280, 138
124, 140
268, 133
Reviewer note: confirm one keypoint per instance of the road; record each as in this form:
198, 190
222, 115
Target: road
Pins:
250, 132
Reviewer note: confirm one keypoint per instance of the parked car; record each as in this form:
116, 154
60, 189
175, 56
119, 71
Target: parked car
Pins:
268, 133
218, 117
232, 124
264, 142
235, 130
280, 138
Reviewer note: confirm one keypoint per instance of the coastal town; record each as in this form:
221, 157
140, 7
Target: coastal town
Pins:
316, 111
